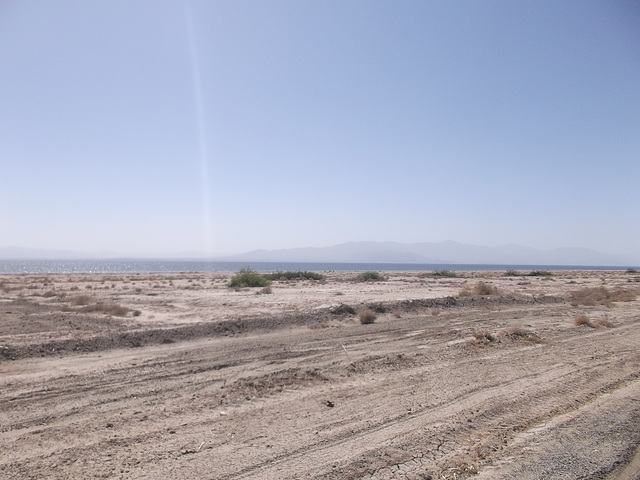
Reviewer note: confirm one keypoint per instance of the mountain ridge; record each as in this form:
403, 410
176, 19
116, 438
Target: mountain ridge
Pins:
445, 252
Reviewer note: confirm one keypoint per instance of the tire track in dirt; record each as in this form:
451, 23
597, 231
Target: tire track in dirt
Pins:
447, 439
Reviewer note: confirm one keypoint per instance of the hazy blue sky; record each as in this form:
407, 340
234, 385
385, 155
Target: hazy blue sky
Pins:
146, 127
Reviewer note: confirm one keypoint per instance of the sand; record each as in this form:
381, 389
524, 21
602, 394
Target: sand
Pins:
177, 376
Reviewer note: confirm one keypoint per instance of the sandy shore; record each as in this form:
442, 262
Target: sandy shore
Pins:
178, 376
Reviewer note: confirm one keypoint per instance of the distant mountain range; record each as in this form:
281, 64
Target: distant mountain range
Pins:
440, 252
447, 252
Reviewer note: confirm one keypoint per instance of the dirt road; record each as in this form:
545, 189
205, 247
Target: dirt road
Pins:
194, 380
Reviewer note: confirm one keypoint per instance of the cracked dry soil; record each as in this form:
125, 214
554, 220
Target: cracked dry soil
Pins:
195, 380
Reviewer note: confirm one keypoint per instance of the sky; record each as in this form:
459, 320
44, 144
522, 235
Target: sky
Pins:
151, 127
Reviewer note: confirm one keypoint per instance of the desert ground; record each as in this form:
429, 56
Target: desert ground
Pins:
177, 376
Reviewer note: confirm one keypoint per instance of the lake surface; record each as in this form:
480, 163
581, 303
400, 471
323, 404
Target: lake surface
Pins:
151, 266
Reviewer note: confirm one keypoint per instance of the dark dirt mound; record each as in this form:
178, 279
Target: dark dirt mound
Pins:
115, 334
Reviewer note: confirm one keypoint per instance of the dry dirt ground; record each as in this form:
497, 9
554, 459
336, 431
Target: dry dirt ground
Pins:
176, 376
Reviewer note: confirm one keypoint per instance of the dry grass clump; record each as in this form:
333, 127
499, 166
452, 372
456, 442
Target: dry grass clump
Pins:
80, 300
583, 320
85, 302
107, 308
601, 296
604, 323
367, 316
519, 333
483, 336
480, 288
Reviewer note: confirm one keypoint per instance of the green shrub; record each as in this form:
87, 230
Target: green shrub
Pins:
445, 273
540, 273
512, 273
291, 275
247, 278
369, 277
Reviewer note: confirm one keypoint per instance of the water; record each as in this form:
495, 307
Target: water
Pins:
153, 266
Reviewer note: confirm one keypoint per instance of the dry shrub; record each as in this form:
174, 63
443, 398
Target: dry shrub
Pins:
49, 294
107, 308
604, 323
367, 316
482, 288
601, 296
80, 300
267, 290
583, 320
523, 334
435, 312
483, 336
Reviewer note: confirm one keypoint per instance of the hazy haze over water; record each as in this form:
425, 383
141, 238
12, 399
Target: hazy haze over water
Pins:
153, 266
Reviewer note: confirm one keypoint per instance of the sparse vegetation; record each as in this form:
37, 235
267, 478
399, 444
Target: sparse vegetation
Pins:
247, 278
523, 334
604, 322
631, 270
601, 296
483, 337
367, 316
444, 273
369, 277
583, 320
106, 308
480, 288
540, 273
512, 273
80, 300
294, 275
